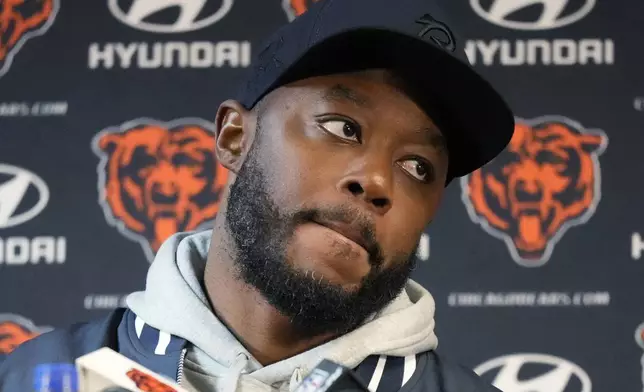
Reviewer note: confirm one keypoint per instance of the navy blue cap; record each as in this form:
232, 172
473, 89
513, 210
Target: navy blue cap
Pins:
412, 37
55, 377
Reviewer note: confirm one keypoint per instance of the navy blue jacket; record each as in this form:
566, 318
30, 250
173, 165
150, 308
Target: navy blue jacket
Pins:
122, 332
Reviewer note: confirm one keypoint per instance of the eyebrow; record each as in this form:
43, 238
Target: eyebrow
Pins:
434, 138
340, 92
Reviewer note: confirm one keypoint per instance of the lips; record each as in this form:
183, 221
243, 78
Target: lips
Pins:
346, 230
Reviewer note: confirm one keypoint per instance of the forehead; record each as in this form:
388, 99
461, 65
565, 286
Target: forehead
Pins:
363, 88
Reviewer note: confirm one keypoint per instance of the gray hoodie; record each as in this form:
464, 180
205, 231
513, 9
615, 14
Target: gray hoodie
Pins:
175, 302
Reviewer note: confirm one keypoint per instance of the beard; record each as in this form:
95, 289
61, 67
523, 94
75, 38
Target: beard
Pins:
261, 231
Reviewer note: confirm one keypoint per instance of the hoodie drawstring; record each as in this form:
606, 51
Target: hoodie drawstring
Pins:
296, 379
231, 378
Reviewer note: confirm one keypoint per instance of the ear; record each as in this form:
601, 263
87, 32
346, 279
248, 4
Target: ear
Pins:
108, 142
591, 142
520, 135
234, 134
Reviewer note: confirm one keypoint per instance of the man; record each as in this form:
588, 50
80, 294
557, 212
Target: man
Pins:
340, 144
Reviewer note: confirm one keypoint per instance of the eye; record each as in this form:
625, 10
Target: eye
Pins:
184, 160
560, 167
418, 168
343, 129
142, 173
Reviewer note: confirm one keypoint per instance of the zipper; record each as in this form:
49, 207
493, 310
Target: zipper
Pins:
182, 358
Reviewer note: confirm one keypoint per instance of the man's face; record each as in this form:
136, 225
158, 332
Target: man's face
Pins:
344, 173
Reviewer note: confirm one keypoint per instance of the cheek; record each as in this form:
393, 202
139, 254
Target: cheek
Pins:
295, 167
292, 172
407, 220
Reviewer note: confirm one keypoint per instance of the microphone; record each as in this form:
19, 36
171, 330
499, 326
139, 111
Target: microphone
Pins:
105, 370
329, 376
55, 377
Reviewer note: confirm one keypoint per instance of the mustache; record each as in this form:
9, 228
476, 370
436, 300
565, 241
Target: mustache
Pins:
349, 216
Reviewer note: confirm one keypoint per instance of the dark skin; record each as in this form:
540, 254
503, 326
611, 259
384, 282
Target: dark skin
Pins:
334, 140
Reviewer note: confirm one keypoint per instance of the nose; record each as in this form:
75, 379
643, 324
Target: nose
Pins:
164, 195
529, 191
372, 186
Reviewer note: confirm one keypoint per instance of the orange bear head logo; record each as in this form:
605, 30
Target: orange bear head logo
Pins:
14, 331
546, 181
295, 8
157, 179
19, 21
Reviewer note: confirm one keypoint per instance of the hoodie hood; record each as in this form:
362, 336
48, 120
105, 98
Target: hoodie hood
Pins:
175, 302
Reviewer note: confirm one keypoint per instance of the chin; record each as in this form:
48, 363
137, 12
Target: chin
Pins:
340, 272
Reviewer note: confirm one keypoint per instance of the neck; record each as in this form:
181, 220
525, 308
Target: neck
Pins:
262, 329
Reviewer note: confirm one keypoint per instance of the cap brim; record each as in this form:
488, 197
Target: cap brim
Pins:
474, 118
